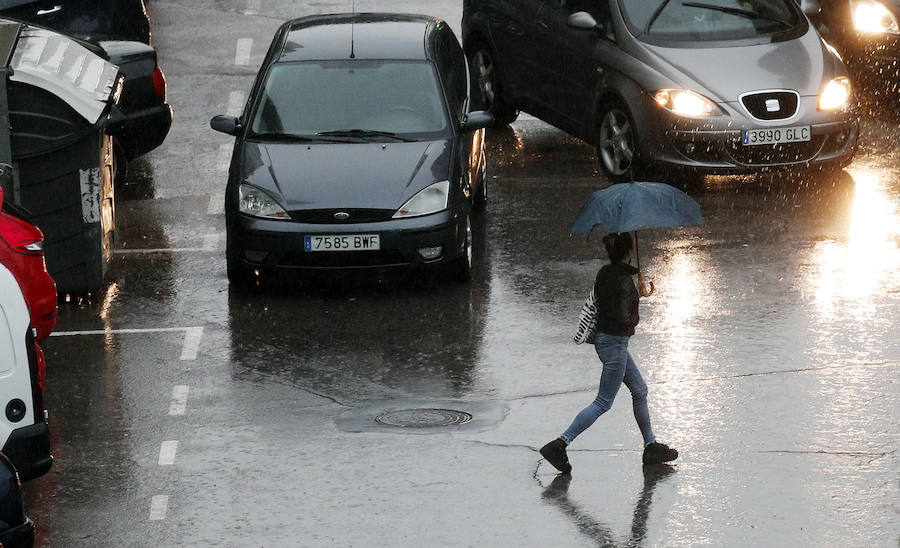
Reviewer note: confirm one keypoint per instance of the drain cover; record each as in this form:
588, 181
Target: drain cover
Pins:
423, 418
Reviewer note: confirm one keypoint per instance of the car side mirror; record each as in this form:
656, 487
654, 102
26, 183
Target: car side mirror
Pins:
478, 119
810, 7
226, 124
582, 20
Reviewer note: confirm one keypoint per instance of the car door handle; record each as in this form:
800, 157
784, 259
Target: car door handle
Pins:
543, 25
50, 11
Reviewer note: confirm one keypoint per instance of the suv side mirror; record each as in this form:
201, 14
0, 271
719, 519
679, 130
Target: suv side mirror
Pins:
478, 119
810, 7
582, 20
226, 124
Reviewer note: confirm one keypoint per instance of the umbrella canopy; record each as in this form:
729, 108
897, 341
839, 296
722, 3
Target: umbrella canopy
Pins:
626, 207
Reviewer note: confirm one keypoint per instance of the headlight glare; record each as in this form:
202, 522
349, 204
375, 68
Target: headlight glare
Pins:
255, 202
836, 94
687, 103
872, 16
430, 199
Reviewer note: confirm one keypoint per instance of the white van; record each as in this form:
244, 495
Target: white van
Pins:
24, 434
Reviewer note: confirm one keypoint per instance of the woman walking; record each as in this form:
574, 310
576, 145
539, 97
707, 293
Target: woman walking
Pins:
617, 314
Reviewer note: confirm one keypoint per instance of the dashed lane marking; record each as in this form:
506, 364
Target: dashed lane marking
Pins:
159, 507
252, 7
179, 400
216, 204
235, 102
191, 347
167, 452
242, 52
210, 243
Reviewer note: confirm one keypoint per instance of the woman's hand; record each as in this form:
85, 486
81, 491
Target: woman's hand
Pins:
642, 287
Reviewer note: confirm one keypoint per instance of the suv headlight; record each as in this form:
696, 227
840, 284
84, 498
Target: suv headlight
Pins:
872, 16
836, 94
430, 199
685, 102
257, 203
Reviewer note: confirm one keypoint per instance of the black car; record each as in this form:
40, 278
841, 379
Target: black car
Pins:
119, 31
356, 149
16, 530
867, 35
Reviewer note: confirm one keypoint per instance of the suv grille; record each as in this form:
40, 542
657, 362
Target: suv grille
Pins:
771, 105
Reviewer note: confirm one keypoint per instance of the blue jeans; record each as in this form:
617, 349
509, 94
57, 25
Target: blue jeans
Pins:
618, 367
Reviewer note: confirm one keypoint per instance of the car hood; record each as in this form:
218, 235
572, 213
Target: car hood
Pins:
724, 73
345, 175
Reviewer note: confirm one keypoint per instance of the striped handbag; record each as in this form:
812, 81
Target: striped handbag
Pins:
587, 321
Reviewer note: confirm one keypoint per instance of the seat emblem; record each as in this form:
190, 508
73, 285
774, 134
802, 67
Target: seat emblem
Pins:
341, 216
772, 105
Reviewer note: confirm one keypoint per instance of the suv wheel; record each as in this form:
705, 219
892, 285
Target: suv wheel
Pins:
617, 142
486, 87
461, 267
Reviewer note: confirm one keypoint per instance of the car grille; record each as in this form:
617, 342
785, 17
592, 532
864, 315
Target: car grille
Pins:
758, 104
342, 259
327, 216
763, 155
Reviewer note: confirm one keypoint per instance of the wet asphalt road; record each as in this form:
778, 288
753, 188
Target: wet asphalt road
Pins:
206, 418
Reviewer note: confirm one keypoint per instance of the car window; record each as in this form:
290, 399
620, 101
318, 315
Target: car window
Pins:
710, 20
452, 63
308, 98
599, 9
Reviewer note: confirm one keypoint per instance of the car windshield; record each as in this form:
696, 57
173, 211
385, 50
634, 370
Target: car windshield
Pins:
351, 100
712, 20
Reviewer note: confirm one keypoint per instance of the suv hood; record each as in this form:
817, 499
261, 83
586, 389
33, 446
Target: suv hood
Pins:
724, 73
345, 175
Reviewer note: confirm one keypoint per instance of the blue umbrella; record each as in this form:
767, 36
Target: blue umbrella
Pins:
626, 207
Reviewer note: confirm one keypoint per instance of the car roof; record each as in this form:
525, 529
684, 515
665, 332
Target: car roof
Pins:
365, 35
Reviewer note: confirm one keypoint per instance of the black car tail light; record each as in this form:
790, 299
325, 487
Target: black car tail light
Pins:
38, 373
159, 83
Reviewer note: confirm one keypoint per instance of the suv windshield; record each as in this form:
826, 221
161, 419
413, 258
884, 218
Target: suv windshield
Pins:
351, 100
709, 20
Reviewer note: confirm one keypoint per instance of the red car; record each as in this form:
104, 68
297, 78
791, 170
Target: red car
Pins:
22, 252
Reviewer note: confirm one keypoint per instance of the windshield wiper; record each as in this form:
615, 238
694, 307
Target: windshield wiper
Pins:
747, 14
655, 16
293, 137
363, 133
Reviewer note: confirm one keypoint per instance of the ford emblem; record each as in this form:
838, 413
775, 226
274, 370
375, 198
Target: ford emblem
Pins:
341, 216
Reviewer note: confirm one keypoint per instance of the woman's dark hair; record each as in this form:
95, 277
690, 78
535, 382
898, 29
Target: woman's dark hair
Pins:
617, 244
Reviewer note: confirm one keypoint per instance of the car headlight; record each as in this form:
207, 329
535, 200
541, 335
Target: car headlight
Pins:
257, 203
430, 199
836, 94
684, 102
872, 16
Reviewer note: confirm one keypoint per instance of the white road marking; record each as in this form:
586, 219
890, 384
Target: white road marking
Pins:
224, 158
121, 331
210, 243
216, 204
159, 506
252, 7
179, 400
167, 452
242, 53
235, 103
191, 346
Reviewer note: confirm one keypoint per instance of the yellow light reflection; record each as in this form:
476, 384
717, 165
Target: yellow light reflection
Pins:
867, 263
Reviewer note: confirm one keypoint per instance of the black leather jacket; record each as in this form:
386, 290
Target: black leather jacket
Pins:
617, 299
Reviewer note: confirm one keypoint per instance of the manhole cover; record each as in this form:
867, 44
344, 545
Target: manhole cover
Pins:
423, 418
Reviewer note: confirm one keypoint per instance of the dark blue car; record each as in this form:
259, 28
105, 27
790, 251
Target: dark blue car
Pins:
356, 149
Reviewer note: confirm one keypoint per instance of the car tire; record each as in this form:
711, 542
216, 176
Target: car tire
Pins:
461, 267
487, 89
617, 143
240, 276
